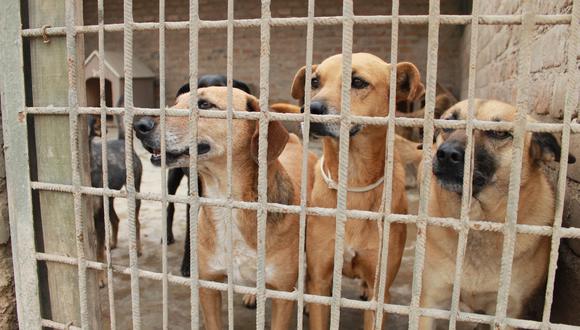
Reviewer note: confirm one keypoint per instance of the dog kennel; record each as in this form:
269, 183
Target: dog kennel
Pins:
55, 267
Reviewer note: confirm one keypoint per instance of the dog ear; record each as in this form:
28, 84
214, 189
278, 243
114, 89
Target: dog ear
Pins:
409, 86
298, 83
277, 134
442, 103
545, 147
241, 85
277, 138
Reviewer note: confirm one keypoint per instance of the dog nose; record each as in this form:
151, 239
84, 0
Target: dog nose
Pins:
317, 108
144, 125
450, 153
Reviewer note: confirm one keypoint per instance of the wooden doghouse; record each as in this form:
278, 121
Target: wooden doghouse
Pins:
143, 80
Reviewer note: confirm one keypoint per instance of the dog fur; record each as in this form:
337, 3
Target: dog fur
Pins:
369, 97
116, 180
284, 172
492, 158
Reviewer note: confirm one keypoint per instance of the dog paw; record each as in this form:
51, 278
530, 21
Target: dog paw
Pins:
249, 300
170, 240
185, 271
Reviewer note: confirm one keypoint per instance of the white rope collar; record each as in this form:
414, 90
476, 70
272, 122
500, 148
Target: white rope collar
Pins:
334, 186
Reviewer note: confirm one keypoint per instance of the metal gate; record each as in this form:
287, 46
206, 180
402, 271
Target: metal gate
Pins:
21, 185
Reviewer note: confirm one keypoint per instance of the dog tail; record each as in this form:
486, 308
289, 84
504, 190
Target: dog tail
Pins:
285, 108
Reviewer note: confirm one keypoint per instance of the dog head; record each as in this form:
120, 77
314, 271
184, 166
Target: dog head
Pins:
369, 91
492, 153
212, 132
209, 80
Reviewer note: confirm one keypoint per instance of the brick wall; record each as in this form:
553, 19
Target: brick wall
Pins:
496, 77
288, 45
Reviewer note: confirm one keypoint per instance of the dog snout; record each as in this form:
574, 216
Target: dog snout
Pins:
317, 108
144, 126
451, 154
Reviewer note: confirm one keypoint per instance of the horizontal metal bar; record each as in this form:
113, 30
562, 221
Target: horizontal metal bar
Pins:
303, 21
455, 224
57, 325
292, 117
292, 296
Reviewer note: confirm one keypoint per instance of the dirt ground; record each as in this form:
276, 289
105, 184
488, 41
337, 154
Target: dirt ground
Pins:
179, 296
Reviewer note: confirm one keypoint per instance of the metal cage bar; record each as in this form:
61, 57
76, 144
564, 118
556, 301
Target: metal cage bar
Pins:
302, 271
418, 265
193, 198
571, 98
105, 163
73, 103
551, 19
130, 184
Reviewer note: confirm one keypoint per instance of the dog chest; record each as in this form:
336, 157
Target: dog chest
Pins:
244, 257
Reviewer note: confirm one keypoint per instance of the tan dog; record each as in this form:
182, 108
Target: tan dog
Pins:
284, 171
369, 97
492, 159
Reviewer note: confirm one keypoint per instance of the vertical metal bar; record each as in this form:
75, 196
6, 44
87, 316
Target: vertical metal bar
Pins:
571, 101
389, 165
345, 123
522, 103
418, 266
73, 105
105, 162
467, 169
262, 162
194, 193
163, 126
130, 184
229, 237
304, 178
17, 171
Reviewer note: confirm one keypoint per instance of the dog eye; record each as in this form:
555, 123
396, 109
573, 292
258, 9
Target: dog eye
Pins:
204, 105
358, 83
499, 135
315, 83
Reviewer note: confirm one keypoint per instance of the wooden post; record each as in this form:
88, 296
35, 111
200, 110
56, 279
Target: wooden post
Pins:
49, 79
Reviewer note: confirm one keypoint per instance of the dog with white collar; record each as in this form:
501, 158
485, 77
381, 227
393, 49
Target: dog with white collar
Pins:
366, 162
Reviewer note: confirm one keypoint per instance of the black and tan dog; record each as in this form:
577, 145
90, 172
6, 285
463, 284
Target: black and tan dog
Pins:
117, 177
284, 172
492, 158
369, 97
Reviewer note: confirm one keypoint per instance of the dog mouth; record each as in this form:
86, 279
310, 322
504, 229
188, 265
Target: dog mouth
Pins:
453, 180
171, 157
332, 130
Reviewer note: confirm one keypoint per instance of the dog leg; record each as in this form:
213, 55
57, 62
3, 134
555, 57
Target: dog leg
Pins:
282, 312
249, 300
319, 282
185, 260
138, 226
211, 303
434, 296
174, 179
99, 219
114, 223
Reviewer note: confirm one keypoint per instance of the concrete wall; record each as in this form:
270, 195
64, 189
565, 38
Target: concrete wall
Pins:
496, 77
288, 45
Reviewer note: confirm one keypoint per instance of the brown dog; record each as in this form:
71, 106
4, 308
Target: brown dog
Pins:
284, 172
369, 97
491, 168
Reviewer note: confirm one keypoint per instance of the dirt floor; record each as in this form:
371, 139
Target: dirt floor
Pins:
179, 296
